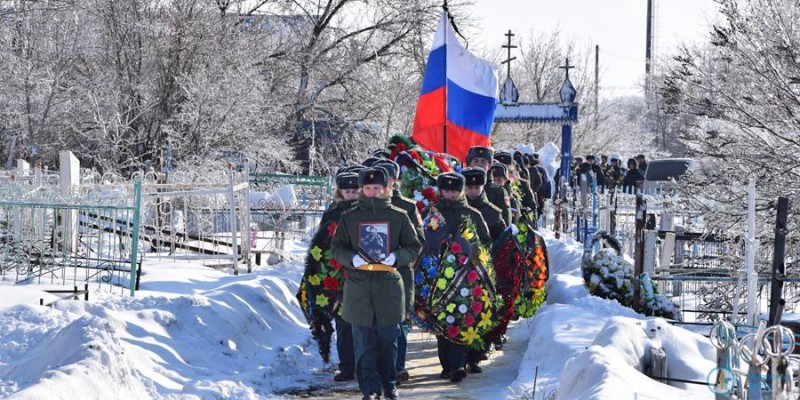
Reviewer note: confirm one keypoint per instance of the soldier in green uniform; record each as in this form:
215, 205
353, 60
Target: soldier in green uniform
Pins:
454, 208
374, 296
480, 156
476, 197
406, 271
501, 177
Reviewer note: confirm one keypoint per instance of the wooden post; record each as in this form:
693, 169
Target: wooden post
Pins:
778, 258
641, 215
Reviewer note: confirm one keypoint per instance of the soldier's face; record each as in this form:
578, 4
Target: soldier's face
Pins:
499, 180
373, 190
474, 191
450, 194
349, 194
480, 162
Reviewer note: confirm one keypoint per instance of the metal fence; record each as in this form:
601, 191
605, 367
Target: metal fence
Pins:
51, 238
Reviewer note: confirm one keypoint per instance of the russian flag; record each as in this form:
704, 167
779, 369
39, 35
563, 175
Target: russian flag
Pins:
459, 91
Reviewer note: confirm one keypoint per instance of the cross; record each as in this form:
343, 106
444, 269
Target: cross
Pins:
566, 67
509, 47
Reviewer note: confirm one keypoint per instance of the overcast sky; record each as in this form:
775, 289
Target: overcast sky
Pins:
618, 26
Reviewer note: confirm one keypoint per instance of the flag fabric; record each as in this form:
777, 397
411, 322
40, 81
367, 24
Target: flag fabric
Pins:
459, 90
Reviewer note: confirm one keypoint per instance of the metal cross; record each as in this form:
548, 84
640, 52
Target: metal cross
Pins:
509, 47
566, 67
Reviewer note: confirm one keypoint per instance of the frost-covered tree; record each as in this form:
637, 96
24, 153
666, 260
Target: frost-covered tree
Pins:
740, 94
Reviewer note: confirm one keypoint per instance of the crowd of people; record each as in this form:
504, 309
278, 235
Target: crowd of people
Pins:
609, 173
366, 258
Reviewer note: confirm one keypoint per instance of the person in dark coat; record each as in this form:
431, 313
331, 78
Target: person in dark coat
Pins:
615, 172
344, 198
633, 178
454, 209
598, 173
476, 198
482, 157
504, 180
374, 295
406, 271
641, 163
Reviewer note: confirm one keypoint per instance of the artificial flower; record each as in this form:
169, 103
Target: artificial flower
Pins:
469, 320
464, 292
467, 234
441, 316
451, 258
462, 260
462, 308
335, 264
450, 319
332, 229
441, 283
450, 307
455, 248
418, 278
472, 276
322, 300
484, 256
477, 307
314, 280
477, 291
449, 272
316, 253
470, 335
486, 320
452, 331
331, 283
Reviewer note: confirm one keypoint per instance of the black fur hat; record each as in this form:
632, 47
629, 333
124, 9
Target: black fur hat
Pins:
351, 168
480, 152
504, 157
450, 181
370, 162
584, 167
391, 167
373, 176
474, 176
347, 180
499, 170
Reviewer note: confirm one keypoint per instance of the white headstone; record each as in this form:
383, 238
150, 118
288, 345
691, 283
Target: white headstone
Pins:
70, 181
23, 168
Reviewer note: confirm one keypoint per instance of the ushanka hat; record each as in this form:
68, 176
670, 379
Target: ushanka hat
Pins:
370, 162
351, 168
499, 170
504, 157
347, 180
480, 152
372, 176
391, 167
474, 176
450, 181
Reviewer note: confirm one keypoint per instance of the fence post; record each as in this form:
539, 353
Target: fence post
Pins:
232, 201
137, 205
649, 252
750, 254
247, 239
70, 181
778, 258
641, 215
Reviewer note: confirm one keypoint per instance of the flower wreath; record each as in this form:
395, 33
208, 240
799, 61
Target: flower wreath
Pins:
456, 297
419, 169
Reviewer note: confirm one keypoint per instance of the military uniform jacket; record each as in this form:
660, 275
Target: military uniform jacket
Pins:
491, 214
498, 196
406, 271
454, 211
375, 227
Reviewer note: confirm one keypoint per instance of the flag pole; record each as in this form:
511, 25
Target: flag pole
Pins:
446, 31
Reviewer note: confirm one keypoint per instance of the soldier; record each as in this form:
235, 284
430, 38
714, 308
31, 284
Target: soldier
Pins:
598, 173
344, 198
479, 156
374, 296
528, 200
454, 208
476, 197
615, 171
406, 271
505, 158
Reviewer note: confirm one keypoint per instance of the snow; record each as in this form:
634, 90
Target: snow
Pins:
194, 332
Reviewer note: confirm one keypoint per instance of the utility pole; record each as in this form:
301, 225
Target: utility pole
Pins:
596, 81
649, 40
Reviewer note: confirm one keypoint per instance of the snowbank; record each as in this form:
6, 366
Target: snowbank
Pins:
192, 332
586, 347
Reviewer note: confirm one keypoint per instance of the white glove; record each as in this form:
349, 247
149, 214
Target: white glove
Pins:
358, 262
513, 228
389, 260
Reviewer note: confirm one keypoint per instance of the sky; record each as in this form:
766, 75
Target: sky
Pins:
617, 26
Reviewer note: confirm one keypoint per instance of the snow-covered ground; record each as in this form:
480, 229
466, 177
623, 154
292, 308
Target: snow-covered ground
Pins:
195, 332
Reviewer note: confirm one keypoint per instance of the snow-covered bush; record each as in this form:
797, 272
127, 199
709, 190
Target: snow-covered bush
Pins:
610, 276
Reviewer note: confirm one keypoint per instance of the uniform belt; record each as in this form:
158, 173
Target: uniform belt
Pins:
378, 267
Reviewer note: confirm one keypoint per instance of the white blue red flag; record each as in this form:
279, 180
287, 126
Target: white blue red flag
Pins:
459, 92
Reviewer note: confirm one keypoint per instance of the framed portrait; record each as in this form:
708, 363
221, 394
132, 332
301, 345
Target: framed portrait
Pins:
373, 240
